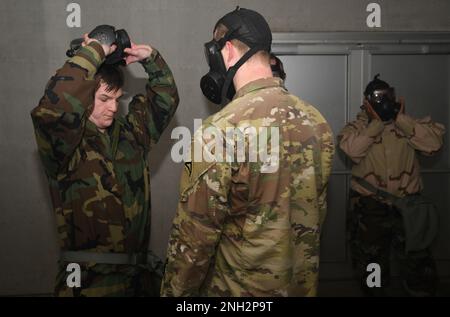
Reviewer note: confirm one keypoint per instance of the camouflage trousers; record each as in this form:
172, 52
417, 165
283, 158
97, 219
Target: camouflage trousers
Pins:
110, 280
376, 229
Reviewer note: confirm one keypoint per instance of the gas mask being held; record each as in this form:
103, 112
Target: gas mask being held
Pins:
382, 99
106, 35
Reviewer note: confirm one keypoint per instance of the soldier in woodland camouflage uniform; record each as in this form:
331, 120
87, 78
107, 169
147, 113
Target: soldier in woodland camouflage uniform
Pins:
383, 147
98, 170
241, 230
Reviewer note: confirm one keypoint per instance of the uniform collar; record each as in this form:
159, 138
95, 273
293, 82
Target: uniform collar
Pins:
259, 84
92, 130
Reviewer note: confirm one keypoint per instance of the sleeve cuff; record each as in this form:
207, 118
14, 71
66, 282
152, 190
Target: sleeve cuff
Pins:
151, 63
89, 57
374, 128
405, 123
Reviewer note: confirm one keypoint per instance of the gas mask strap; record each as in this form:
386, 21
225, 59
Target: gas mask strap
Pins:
232, 70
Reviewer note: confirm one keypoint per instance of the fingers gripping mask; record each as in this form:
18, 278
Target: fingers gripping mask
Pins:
384, 104
106, 35
381, 97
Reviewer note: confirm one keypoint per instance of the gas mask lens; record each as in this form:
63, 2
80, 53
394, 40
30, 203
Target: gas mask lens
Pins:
212, 83
212, 53
208, 53
384, 104
380, 96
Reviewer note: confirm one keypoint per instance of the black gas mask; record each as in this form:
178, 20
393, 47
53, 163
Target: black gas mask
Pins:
213, 82
106, 35
247, 26
382, 99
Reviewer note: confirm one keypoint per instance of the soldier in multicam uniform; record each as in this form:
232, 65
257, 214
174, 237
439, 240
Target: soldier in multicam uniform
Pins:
241, 230
98, 170
383, 143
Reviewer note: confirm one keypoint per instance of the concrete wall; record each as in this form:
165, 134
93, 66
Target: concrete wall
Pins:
34, 40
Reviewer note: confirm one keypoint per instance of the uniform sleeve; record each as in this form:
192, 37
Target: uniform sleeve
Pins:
327, 150
423, 135
149, 115
60, 117
196, 231
358, 136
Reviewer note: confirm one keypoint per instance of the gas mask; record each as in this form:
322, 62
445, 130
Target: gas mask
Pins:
217, 84
384, 104
381, 97
106, 35
247, 26
213, 82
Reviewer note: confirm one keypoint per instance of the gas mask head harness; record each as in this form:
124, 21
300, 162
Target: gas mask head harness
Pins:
382, 98
246, 26
106, 35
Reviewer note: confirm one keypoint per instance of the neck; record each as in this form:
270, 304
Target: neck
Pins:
250, 72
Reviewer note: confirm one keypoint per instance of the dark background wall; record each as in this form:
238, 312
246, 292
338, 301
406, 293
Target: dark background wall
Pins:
34, 40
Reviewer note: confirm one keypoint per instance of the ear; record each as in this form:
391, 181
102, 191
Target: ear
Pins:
231, 50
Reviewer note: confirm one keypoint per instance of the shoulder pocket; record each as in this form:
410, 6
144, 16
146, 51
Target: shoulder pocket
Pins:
192, 172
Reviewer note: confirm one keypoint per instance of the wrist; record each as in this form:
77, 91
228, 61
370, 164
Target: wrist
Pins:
405, 123
145, 60
89, 57
99, 49
374, 128
150, 58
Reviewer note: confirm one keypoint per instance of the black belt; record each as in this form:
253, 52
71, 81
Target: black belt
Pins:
103, 258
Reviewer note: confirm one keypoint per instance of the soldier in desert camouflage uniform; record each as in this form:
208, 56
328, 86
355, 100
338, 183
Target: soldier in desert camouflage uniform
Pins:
98, 170
240, 230
384, 153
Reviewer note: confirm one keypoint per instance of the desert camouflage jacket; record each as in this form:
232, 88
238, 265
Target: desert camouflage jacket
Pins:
385, 154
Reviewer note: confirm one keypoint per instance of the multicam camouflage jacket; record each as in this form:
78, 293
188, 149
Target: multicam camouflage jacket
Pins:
240, 231
384, 154
100, 182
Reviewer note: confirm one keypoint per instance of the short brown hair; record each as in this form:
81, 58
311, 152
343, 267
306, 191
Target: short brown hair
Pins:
111, 75
220, 32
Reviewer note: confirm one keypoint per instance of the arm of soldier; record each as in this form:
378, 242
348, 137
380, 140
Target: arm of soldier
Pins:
151, 114
327, 151
423, 135
358, 136
196, 231
60, 116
